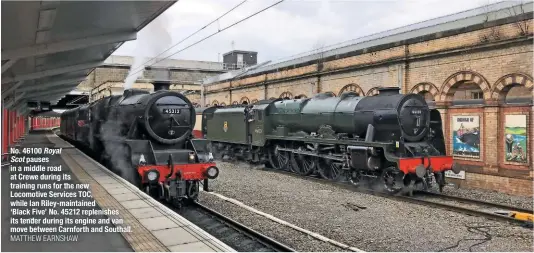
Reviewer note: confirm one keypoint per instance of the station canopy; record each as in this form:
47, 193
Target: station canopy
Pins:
49, 47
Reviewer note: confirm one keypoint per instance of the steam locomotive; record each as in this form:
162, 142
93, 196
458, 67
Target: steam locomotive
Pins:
393, 138
147, 139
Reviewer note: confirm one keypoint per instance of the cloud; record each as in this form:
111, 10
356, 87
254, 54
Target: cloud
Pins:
291, 27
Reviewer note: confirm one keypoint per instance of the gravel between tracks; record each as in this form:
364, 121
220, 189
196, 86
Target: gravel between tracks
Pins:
384, 224
490, 196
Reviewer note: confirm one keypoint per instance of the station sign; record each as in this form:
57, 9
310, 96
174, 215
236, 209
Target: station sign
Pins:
451, 174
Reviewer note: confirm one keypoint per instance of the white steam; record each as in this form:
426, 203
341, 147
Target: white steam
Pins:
151, 41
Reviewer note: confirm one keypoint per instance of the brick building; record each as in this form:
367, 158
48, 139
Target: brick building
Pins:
185, 76
474, 66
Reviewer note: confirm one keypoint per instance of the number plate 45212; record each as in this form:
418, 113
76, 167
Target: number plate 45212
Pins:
171, 111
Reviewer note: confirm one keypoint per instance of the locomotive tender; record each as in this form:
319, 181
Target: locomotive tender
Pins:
395, 138
147, 139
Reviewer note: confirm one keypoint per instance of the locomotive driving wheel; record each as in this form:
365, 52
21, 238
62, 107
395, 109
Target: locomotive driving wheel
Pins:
279, 159
329, 169
303, 164
392, 179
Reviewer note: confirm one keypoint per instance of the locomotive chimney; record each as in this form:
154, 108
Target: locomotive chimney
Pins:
386, 91
161, 85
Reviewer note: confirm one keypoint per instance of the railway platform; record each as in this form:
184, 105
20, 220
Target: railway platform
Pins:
129, 219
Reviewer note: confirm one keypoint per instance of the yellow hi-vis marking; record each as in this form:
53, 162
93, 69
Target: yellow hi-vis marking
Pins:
518, 215
522, 216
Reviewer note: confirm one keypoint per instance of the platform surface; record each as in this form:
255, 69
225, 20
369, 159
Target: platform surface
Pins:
154, 227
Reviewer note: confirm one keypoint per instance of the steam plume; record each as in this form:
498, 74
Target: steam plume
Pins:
151, 41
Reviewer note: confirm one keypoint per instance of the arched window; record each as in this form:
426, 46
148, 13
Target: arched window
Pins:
352, 88
244, 101
286, 95
465, 87
427, 90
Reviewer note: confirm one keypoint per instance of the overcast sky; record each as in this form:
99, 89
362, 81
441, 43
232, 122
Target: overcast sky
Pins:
292, 27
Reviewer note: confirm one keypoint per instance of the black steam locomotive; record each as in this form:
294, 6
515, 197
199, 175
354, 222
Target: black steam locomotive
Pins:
391, 137
147, 139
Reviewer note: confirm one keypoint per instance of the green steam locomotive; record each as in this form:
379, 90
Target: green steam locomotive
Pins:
391, 137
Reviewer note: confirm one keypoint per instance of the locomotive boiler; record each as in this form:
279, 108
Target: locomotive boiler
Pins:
147, 139
391, 137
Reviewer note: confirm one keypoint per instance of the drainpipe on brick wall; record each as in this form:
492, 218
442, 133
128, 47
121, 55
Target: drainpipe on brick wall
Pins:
202, 98
230, 92
399, 77
318, 85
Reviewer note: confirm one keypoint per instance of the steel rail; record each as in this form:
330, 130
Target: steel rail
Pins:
476, 201
415, 200
265, 241
216, 217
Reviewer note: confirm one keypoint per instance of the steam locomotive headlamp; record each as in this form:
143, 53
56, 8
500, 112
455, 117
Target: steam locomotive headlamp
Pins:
212, 172
210, 156
191, 157
152, 175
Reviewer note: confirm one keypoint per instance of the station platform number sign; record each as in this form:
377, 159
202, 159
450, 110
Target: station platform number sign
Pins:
451, 174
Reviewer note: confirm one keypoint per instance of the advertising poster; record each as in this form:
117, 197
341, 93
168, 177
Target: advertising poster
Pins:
515, 138
466, 136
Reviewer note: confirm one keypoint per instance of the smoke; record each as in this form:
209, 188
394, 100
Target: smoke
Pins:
151, 41
116, 150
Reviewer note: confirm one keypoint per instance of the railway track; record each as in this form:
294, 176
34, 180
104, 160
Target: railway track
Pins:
233, 233
489, 205
473, 207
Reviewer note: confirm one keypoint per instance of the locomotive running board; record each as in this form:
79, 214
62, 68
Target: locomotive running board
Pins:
311, 154
330, 141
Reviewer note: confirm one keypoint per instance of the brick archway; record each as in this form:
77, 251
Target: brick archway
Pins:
449, 86
215, 103
286, 94
507, 82
253, 101
372, 92
352, 88
244, 100
235, 103
428, 87
223, 104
